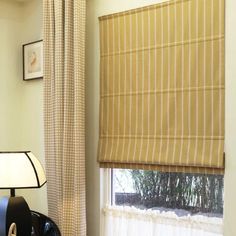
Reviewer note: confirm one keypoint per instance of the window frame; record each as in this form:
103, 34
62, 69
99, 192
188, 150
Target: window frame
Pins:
105, 195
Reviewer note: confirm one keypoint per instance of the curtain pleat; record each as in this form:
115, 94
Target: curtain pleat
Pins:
162, 87
64, 112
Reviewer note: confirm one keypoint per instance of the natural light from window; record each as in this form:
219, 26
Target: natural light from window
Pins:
150, 203
182, 193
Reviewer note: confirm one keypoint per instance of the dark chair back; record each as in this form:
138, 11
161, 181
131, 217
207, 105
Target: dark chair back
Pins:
43, 225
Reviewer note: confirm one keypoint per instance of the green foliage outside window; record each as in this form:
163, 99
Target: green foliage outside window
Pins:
195, 193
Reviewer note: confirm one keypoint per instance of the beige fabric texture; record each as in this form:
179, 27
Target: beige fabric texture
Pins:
162, 87
64, 108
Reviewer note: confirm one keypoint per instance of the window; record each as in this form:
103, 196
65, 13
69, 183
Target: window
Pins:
188, 193
157, 203
161, 101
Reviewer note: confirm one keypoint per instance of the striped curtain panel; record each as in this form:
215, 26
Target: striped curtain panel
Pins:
64, 112
162, 87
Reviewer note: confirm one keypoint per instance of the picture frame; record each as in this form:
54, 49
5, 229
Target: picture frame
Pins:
33, 60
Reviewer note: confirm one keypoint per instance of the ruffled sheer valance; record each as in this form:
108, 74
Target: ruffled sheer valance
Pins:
132, 221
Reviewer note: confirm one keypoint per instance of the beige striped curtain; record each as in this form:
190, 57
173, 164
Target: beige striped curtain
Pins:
64, 108
162, 87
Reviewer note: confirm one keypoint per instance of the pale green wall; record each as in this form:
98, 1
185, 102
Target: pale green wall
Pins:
101, 7
21, 102
32, 99
230, 173
10, 84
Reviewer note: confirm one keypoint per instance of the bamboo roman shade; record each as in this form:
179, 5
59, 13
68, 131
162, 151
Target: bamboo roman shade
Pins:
162, 87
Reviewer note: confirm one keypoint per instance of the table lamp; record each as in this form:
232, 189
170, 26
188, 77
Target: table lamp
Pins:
18, 170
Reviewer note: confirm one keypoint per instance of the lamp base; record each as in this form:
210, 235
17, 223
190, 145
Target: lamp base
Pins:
15, 210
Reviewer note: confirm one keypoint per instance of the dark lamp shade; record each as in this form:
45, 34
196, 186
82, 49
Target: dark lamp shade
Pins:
20, 170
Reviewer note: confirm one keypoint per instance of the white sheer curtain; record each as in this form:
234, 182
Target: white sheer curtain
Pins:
129, 221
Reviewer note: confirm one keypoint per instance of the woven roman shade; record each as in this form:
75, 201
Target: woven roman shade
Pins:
162, 87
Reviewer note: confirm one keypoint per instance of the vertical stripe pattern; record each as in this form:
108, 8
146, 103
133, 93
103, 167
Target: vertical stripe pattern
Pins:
163, 87
64, 113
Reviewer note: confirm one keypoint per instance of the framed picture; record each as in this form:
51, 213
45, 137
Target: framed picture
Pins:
33, 60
